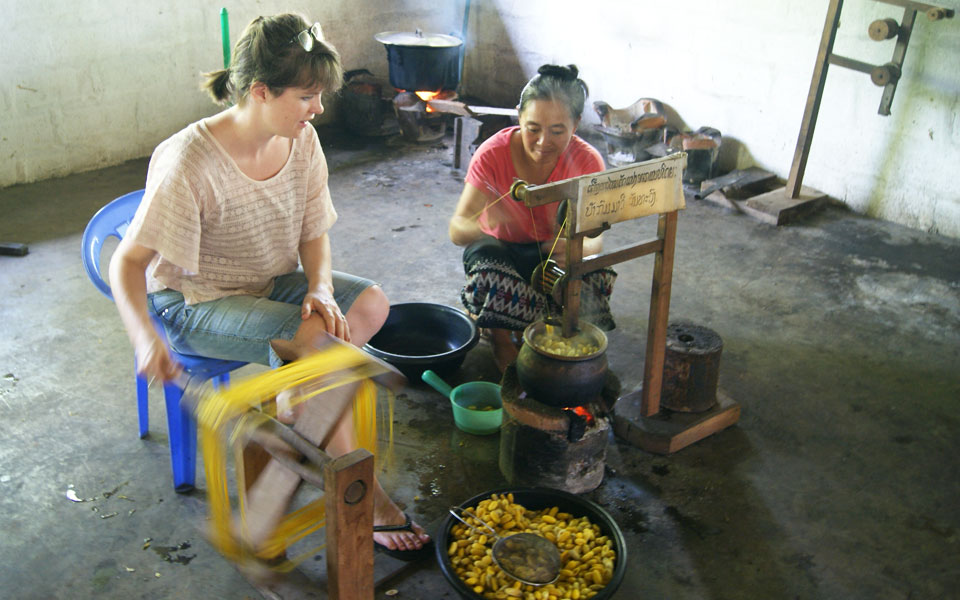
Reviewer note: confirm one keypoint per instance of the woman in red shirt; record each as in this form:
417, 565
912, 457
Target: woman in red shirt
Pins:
504, 240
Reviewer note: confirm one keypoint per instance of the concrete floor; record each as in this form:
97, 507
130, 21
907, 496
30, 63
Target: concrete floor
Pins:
841, 341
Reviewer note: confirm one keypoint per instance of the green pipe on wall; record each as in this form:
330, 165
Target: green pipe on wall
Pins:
225, 36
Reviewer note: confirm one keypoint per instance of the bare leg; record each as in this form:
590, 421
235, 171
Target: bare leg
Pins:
327, 422
505, 350
385, 512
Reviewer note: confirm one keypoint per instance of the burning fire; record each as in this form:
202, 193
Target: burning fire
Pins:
427, 97
583, 413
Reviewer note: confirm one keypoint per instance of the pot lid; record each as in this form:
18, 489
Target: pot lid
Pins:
417, 38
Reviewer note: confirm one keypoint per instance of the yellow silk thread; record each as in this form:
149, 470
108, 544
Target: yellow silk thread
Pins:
225, 414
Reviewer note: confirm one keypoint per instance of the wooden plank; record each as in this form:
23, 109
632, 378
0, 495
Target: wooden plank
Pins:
669, 432
459, 108
450, 106
493, 110
617, 256
349, 523
851, 63
659, 313
773, 207
776, 208
735, 180
631, 192
809, 122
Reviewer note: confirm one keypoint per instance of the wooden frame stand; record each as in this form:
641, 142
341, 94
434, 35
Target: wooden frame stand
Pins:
634, 191
785, 204
637, 416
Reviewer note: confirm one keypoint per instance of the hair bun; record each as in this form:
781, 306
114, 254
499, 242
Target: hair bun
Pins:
567, 73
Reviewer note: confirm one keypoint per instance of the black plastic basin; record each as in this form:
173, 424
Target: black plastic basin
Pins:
423, 335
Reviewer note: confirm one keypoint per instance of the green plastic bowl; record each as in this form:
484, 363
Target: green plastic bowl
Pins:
469, 401
477, 406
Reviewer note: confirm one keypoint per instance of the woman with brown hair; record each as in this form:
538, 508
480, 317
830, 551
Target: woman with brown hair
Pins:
232, 204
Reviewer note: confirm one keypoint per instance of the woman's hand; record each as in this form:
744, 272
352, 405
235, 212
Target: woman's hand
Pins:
320, 302
154, 360
128, 283
463, 227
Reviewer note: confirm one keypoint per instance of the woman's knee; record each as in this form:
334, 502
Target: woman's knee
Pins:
367, 314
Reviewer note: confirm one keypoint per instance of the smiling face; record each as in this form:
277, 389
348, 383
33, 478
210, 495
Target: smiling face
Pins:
292, 110
546, 128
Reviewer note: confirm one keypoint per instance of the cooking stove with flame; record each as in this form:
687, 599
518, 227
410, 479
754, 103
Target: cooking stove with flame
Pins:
419, 122
556, 410
561, 447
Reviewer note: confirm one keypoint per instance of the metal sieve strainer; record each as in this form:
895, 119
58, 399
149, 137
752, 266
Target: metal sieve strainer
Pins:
527, 557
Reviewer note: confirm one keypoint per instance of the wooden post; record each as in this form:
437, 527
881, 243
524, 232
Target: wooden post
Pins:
571, 295
809, 122
349, 500
899, 54
659, 313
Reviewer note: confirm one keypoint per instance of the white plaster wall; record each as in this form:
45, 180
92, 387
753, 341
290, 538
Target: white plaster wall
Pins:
744, 67
93, 83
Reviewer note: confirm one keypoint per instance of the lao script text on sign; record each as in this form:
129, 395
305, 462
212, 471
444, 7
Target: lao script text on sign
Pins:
631, 192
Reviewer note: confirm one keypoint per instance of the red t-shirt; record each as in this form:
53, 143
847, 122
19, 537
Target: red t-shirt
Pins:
491, 171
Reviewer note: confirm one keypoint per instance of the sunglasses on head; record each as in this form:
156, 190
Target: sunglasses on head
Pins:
306, 37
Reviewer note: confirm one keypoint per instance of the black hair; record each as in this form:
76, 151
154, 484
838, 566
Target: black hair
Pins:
553, 82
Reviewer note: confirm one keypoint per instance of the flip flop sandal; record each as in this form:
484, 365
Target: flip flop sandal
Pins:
405, 555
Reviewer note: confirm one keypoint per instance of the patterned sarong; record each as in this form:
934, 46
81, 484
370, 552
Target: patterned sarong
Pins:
498, 291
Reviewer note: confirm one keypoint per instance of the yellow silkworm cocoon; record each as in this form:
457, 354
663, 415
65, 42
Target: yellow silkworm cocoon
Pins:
587, 557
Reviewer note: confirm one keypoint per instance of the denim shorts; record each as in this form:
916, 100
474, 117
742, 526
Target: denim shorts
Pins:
240, 327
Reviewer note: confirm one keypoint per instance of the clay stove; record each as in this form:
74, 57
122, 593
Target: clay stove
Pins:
547, 446
419, 122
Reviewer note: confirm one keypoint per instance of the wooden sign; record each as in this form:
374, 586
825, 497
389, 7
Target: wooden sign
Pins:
630, 192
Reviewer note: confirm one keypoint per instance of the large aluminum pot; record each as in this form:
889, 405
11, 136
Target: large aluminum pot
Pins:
554, 379
421, 61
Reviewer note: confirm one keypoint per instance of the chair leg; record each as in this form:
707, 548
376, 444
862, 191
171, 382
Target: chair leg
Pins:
182, 431
222, 380
143, 407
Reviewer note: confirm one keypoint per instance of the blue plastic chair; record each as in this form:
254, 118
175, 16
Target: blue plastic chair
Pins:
112, 221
